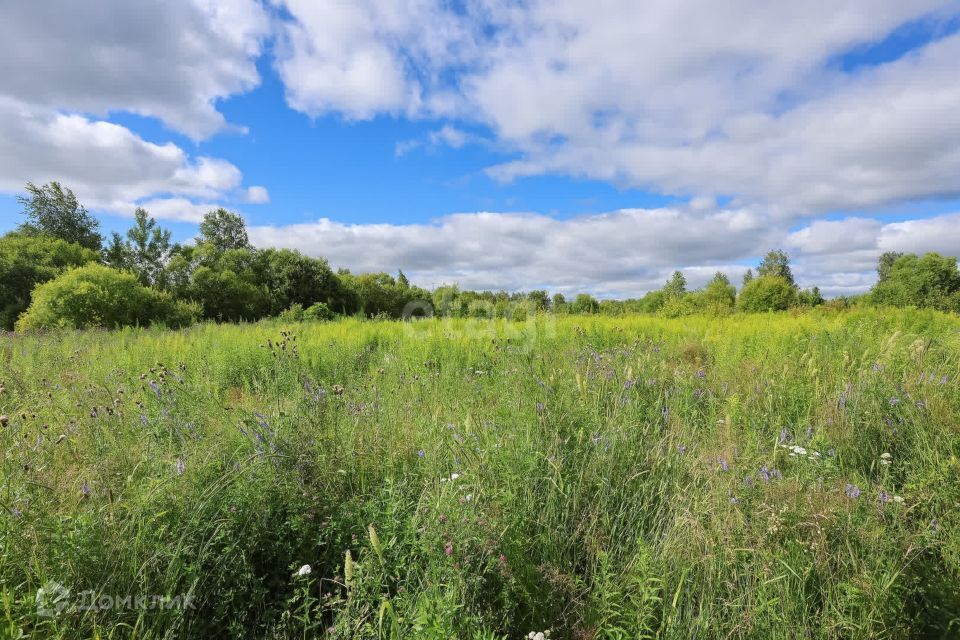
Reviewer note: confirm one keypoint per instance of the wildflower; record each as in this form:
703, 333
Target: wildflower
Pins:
784, 435
884, 496
733, 499
85, 489
943, 380
898, 499
765, 473
541, 407
876, 366
448, 549
681, 449
454, 476
16, 513
628, 385
723, 464
701, 374
305, 570
894, 401
421, 454
666, 413
181, 466
747, 480
886, 458
468, 497
852, 491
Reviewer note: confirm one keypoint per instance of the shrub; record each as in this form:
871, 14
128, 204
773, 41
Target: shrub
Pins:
25, 262
97, 296
767, 293
318, 311
294, 313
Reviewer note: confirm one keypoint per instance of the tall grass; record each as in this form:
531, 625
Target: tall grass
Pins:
750, 477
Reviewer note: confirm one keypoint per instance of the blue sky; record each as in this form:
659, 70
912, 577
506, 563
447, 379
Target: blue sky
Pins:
503, 145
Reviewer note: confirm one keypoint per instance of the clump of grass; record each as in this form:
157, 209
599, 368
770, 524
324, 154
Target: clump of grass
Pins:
766, 476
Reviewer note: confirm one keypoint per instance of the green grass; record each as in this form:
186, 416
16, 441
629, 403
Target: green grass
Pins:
614, 478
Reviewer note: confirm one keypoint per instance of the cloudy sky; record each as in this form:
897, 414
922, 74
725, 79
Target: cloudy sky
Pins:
576, 145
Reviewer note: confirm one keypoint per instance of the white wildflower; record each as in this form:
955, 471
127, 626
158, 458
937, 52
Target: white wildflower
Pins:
303, 571
898, 499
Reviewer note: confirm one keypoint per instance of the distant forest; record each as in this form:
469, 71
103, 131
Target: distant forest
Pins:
57, 270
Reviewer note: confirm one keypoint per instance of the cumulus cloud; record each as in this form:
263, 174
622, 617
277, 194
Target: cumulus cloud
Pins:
696, 97
621, 253
66, 68
168, 59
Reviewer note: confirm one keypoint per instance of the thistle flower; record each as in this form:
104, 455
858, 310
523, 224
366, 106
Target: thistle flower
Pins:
448, 548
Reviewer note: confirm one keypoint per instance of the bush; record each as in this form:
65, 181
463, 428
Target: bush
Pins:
98, 296
318, 311
292, 314
767, 293
25, 262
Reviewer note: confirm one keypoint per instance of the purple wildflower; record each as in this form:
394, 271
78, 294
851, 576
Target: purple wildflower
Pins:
943, 380
155, 387
748, 480
894, 401
701, 374
784, 435
16, 513
765, 473
628, 385
852, 491
421, 454
85, 489
181, 466
884, 497
723, 464
681, 449
448, 549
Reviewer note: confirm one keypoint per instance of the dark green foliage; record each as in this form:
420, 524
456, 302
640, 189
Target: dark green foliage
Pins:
97, 296
540, 300
55, 211
318, 311
29, 260
929, 281
766, 293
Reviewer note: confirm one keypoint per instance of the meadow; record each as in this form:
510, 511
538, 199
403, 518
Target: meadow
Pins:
755, 476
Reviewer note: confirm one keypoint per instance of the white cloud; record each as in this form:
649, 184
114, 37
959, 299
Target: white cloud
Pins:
171, 59
619, 253
692, 97
257, 195
65, 68
107, 165
622, 253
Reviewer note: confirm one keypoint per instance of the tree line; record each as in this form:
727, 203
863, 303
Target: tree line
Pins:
57, 270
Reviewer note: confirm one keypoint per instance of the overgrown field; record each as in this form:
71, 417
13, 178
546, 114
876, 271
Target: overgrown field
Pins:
757, 476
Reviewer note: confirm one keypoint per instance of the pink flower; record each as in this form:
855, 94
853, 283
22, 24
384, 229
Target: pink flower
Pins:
448, 548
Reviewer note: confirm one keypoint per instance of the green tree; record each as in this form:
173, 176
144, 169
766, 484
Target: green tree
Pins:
748, 276
767, 293
539, 299
97, 296
402, 280
27, 261
885, 264
676, 286
776, 263
810, 297
719, 293
149, 248
224, 230
929, 281
55, 211
585, 303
